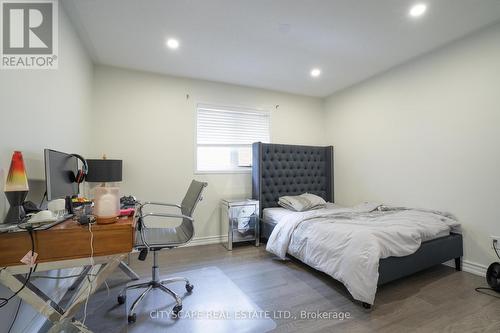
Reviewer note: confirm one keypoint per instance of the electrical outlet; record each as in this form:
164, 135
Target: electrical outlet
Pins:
495, 242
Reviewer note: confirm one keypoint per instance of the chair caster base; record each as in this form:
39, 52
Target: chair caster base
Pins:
132, 318
122, 299
176, 309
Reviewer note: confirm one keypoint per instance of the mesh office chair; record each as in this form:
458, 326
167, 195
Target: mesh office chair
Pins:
155, 239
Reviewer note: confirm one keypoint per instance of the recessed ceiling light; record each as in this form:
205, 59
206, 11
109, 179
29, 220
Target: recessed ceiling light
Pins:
315, 72
418, 10
173, 43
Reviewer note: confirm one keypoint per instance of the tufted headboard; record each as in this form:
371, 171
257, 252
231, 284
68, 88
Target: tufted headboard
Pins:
280, 170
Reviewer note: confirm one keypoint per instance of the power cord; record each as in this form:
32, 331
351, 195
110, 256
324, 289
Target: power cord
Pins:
15, 316
482, 289
5, 301
43, 199
495, 248
92, 264
89, 275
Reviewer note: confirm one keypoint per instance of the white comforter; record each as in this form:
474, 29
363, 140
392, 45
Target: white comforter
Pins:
347, 243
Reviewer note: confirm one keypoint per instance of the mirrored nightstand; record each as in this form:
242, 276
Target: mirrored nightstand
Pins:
242, 220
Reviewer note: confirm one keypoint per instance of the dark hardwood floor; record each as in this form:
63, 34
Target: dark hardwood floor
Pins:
436, 300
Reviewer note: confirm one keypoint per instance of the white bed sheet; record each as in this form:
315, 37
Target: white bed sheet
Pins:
274, 215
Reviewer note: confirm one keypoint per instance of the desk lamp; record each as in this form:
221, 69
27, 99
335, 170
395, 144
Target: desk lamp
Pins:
16, 188
106, 199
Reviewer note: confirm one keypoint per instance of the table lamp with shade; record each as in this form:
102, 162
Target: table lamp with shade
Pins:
106, 199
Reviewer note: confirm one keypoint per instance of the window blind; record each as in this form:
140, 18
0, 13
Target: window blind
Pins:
231, 126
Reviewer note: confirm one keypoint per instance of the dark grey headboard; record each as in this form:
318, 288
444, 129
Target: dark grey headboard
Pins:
280, 170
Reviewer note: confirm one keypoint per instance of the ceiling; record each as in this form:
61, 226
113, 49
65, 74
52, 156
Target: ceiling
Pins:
272, 44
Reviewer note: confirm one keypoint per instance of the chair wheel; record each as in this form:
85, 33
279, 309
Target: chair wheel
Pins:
176, 309
366, 305
189, 288
122, 299
132, 318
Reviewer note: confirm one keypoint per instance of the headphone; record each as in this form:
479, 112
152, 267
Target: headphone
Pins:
81, 174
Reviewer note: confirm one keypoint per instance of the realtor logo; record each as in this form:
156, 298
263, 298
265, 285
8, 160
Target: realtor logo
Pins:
29, 34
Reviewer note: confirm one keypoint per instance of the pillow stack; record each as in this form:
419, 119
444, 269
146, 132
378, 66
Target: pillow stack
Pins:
303, 202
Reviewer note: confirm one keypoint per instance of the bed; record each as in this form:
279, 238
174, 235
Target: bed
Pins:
280, 170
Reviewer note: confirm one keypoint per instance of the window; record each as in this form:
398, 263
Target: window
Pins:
224, 137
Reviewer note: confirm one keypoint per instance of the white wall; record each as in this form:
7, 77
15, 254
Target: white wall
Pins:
146, 120
427, 134
43, 109
46, 108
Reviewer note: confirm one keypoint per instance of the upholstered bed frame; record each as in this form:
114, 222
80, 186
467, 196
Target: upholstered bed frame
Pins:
280, 170
291, 170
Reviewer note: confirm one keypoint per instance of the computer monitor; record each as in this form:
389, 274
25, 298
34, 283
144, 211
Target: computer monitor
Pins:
60, 170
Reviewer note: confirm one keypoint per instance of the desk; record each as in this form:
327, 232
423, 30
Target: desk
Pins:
65, 245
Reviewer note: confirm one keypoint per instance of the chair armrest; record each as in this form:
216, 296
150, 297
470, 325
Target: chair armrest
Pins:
153, 203
179, 216
143, 226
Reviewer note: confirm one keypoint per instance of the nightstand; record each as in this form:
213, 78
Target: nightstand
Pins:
242, 220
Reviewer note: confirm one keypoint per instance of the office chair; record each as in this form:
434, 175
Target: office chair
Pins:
155, 239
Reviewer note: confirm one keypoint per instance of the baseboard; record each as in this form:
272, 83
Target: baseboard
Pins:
207, 240
470, 267
474, 268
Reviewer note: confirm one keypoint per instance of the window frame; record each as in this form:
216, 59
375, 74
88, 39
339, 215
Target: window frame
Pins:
243, 170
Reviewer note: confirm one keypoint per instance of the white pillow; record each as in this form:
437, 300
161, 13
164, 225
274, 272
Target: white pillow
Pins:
303, 202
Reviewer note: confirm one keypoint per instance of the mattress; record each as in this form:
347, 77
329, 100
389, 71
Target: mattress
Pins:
274, 215
271, 216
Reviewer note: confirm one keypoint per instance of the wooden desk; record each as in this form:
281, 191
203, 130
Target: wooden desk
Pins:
68, 240
66, 245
